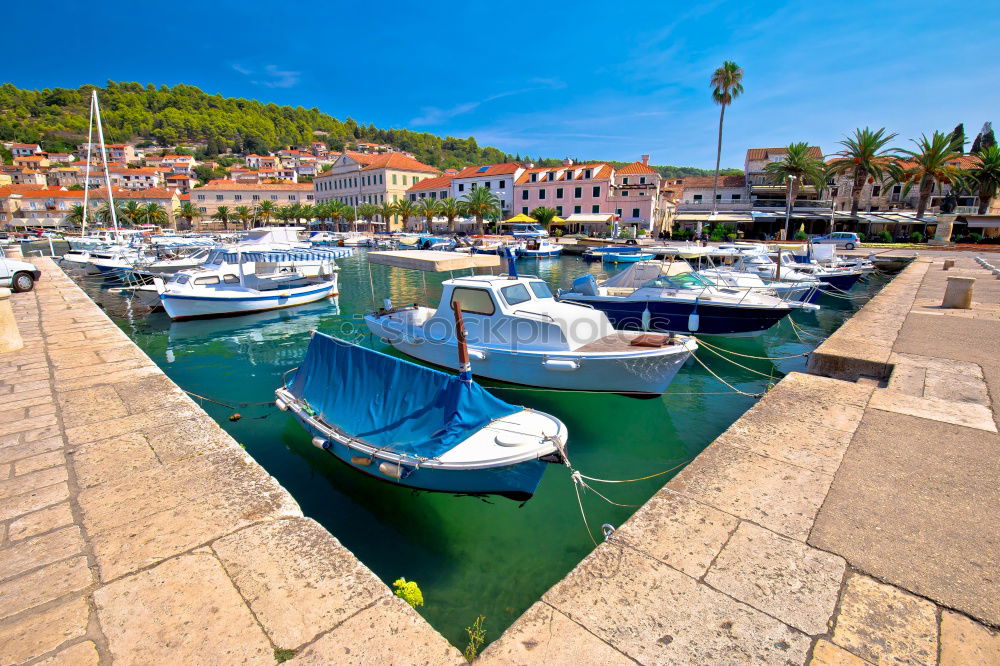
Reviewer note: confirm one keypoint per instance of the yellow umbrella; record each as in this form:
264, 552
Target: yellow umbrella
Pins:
520, 217
557, 220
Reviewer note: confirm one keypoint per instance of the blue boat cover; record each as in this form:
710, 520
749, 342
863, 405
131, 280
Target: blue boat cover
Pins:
391, 403
291, 254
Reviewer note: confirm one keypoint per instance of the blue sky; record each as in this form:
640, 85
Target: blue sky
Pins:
591, 80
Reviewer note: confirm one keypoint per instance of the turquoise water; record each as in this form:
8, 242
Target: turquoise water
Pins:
470, 556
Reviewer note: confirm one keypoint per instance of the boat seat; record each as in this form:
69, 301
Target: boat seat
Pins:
618, 291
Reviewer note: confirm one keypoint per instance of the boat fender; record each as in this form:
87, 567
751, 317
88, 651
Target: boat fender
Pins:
646, 318
284, 294
560, 364
361, 460
477, 354
694, 319
320, 442
391, 470
281, 405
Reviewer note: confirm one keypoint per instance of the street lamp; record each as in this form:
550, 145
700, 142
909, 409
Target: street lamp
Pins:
788, 202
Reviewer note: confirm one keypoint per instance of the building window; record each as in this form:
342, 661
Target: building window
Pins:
737, 197
413, 197
203, 209
524, 194
635, 212
534, 177
718, 197
541, 193
201, 197
256, 197
309, 197
500, 185
559, 193
595, 209
559, 211
524, 209
238, 197
876, 190
576, 209
486, 184
218, 197
274, 197
697, 198
586, 173
625, 181
291, 197
577, 192
642, 180
461, 187
618, 212
597, 191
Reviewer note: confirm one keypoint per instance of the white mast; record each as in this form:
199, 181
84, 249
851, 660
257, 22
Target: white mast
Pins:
86, 182
107, 176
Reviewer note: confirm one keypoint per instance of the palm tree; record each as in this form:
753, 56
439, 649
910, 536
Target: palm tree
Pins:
985, 174
727, 85
75, 215
104, 213
244, 215
154, 213
336, 213
386, 210
367, 211
349, 214
798, 167
450, 208
131, 212
928, 166
865, 159
266, 210
405, 209
428, 209
188, 211
544, 216
223, 215
480, 203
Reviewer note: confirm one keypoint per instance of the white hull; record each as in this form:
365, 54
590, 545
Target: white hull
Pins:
637, 371
244, 301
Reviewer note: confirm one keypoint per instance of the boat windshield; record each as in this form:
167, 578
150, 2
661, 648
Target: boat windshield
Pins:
515, 293
681, 281
540, 289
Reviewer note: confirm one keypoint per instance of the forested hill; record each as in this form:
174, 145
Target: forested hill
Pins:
57, 119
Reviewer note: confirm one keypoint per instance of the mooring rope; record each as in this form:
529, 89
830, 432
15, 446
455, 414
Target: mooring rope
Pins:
723, 381
758, 358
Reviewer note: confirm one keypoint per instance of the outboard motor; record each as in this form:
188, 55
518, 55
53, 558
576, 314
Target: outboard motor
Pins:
586, 285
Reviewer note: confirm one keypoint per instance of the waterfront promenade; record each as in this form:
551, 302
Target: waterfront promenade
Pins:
845, 519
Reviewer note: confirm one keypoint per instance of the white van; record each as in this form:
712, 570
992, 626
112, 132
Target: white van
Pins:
18, 275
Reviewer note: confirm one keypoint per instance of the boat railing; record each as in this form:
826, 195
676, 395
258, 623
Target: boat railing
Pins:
537, 314
586, 305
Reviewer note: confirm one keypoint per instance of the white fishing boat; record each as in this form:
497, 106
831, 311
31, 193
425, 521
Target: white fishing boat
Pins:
537, 248
242, 282
518, 333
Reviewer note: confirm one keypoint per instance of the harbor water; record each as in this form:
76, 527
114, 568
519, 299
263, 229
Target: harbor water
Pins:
470, 556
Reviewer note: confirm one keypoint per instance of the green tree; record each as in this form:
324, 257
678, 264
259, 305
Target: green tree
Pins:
104, 215
450, 208
266, 210
244, 214
405, 209
481, 203
75, 215
727, 85
985, 173
544, 215
222, 214
154, 213
368, 211
927, 166
958, 138
865, 159
130, 213
386, 211
188, 211
428, 209
796, 169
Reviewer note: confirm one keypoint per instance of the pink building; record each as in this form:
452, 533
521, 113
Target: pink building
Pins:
635, 189
569, 189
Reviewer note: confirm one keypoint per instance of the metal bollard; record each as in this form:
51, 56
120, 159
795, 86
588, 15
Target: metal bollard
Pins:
948, 263
958, 295
10, 336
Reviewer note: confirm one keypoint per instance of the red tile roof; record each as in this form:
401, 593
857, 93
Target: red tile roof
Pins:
636, 167
505, 169
391, 161
7, 190
599, 170
25, 145
438, 183
766, 153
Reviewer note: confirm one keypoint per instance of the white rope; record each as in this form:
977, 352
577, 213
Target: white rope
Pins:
723, 381
759, 358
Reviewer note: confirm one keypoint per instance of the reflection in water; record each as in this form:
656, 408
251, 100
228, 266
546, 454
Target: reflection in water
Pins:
470, 556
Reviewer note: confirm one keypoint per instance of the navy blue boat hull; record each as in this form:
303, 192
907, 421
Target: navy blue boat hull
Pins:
842, 282
671, 317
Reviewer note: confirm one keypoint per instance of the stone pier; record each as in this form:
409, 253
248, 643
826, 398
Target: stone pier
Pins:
848, 518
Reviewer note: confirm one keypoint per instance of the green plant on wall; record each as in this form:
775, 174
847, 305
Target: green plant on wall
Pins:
408, 591
477, 636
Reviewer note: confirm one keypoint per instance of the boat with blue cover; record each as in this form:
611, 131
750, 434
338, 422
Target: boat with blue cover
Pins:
537, 248
442, 433
627, 257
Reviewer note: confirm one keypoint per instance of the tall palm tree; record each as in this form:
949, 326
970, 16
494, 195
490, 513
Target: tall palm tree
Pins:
428, 209
131, 212
544, 215
928, 166
797, 169
154, 213
244, 215
865, 159
480, 203
188, 211
727, 85
367, 211
985, 173
75, 215
405, 209
223, 214
266, 210
450, 208
104, 213
349, 214
386, 210
336, 213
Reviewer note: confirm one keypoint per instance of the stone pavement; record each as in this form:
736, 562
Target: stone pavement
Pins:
134, 530
845, 519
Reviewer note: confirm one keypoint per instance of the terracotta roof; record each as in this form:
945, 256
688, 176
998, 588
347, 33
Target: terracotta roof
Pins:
706, 181
143, 171
185, 197
54, 194
25, 145
31, 158
505, 169
391, 161
600, 170
232, 185
766, 153
636, 167
7, 190
180, 176
438, 183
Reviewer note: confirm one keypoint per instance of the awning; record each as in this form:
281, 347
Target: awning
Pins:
557, 220
708, 217
982, 221
273, 256
521, 218
433, 261
594, 218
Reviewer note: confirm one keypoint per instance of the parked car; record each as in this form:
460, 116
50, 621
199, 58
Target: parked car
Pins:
845, 239
18, 275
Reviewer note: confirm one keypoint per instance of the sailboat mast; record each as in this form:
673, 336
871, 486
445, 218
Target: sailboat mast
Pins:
107, 175
86, 182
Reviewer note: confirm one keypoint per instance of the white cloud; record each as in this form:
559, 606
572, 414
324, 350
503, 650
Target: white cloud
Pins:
432, 115
271, 77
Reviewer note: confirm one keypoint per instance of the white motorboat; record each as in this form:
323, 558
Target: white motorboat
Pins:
242, 281
518, 333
